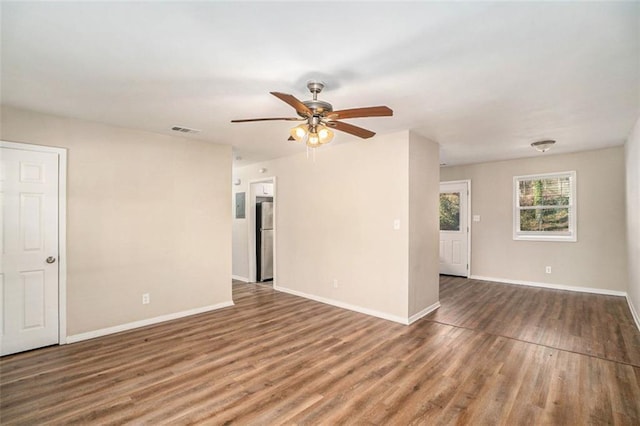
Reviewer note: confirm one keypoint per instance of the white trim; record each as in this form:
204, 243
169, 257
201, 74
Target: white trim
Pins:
634, 313
426, 311
62, 227
552, 286
62, 246
239, 278
142, 323
343, 305
570, 236
469, 221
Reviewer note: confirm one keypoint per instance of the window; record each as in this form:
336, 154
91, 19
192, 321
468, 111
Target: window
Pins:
545, 207
450, 211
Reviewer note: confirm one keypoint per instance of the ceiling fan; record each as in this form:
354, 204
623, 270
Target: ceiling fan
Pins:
319, 118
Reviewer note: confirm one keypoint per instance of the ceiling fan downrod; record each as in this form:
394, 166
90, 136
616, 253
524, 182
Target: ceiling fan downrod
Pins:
316, 106
315, 87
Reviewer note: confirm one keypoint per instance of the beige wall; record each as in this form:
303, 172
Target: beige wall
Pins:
632, 151
240, 250
424, 177
597, 260
334, 220
146, 213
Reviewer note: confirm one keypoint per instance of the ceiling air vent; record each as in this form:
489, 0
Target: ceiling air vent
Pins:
183, 129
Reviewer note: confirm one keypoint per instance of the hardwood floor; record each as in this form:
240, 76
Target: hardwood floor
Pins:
492, 354
600, 326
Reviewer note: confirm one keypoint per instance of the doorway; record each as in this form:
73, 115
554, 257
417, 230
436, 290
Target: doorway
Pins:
262, 230
455, 227
33, 271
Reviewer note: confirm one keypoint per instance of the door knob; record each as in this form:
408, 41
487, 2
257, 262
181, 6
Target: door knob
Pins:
51, 259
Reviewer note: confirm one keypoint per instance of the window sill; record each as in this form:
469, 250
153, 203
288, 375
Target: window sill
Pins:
547, 238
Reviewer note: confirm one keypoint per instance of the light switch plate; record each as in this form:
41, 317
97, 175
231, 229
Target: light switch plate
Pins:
396, 224
476, 218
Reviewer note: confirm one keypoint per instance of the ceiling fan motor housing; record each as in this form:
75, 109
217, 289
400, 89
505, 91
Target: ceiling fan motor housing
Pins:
317, 107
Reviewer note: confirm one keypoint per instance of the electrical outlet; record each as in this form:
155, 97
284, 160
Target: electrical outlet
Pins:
335, 283
547, 269
146, 299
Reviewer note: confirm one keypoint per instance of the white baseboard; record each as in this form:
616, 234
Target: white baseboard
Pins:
552, 286
239, 278
426, 311
634, 313
343, 305
142, 323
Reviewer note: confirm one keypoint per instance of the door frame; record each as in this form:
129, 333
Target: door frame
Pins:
468, 183
62, 227
251, 227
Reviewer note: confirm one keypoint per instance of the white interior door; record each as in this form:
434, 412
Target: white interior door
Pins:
454, 228
29, 245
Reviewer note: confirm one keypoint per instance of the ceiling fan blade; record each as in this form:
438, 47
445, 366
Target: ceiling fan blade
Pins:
350, 128
267, 119
301, 108
376, 111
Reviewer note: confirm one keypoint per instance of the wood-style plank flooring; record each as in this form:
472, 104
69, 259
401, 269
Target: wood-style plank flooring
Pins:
492, 354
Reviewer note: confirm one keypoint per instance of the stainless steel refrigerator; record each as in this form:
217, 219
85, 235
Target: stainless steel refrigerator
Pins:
264, 241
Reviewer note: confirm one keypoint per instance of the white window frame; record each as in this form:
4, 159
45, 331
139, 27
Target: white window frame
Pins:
571, 236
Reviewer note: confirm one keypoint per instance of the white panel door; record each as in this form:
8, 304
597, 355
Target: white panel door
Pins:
454, 229
29, 245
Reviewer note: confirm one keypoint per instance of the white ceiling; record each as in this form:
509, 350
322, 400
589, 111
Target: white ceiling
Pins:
482, 79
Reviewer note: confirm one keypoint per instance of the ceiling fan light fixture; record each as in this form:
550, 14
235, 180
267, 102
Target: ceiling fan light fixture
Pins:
314, 140
300, 132
543, 146
325, 135
313, 136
